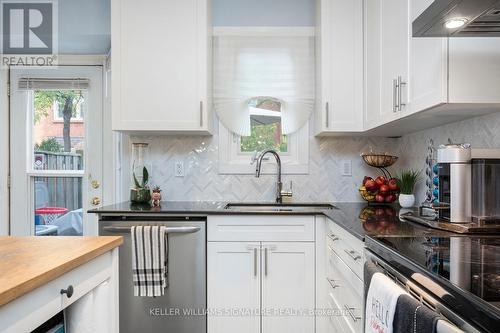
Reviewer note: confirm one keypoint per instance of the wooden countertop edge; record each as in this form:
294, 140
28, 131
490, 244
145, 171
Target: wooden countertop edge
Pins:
39, 280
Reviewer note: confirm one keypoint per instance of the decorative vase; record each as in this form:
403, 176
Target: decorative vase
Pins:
156, 198
406, 200
140, 195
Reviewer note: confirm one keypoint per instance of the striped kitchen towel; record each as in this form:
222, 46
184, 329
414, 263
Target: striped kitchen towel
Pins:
149, 260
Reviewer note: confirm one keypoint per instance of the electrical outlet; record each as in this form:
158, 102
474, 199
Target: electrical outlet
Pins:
346, 168
179, 169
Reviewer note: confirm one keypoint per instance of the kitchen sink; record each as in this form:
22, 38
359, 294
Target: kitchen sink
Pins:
278, 207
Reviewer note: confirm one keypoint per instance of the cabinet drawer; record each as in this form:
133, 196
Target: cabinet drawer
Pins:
32, 309
347, 247
260, 228
346, 290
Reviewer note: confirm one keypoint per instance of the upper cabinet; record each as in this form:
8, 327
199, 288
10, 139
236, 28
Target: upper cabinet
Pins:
339, 87
160, 66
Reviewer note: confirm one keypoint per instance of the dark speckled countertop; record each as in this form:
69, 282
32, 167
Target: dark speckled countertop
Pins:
358, 218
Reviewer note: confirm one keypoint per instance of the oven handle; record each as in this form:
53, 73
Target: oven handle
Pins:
168, 230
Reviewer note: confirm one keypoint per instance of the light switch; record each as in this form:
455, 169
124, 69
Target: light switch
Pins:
346, 166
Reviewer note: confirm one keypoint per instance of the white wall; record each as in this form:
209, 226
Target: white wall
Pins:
263, 12
4, 153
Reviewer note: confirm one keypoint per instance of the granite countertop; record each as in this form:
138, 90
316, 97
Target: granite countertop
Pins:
21, 267
359, 219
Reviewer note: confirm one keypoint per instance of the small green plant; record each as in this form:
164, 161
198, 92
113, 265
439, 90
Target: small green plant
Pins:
145, 179
50, 145
407, 180
156, 189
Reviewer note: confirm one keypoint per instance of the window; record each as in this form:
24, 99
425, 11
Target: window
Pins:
77, 116
263, 96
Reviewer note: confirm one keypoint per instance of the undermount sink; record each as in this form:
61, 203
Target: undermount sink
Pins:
278, 207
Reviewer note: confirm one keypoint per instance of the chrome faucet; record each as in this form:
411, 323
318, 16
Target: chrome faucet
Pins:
280, 193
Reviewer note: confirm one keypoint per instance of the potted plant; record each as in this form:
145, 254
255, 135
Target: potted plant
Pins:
141, 194
406, 182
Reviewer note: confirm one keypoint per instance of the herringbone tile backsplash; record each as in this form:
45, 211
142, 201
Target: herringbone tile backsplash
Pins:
324, 181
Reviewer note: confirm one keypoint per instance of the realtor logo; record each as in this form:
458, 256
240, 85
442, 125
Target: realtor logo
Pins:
28, 32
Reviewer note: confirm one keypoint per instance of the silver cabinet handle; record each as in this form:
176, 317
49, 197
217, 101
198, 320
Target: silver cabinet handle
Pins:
400, 93
353, 254
350, 311
333, 237
327, 114
201, 113
255, 259
168, 230
395, 105
265, 260
333, 283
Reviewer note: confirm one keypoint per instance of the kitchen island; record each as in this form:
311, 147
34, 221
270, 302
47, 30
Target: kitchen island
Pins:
43, 276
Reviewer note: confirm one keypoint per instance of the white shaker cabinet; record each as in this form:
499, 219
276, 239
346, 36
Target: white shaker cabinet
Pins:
339, 75
386, 60
160, 66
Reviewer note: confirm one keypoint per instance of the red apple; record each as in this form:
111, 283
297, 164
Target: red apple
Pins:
371, 185
379, 198
384, 189
379, 212
366, 179
390, 198
380, 180
393, 184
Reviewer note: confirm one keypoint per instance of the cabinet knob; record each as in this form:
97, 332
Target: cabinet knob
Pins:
96, 201
68, 291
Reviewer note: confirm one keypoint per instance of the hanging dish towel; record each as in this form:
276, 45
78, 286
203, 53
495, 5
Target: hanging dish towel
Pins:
149, 260
413, 317
381, 303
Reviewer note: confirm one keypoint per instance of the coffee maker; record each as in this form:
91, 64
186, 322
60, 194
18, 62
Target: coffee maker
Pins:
469, 191
469, 184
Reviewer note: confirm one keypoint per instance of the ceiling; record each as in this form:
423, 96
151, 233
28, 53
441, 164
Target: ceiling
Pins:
84, 26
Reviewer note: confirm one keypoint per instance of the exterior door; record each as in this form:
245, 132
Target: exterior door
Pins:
55, 149
233, 293
288, 287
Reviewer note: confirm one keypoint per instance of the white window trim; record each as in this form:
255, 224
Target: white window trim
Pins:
232, 161
78, 118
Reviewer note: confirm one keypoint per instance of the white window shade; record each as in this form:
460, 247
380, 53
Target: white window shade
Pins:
29, 83
251, 66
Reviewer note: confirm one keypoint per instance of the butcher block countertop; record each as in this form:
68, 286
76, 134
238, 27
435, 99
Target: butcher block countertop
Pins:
27, 263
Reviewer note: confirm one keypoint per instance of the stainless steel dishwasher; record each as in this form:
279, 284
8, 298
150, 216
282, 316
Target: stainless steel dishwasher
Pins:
182, 308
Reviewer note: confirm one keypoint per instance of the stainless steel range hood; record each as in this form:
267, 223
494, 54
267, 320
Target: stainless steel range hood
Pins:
459, 18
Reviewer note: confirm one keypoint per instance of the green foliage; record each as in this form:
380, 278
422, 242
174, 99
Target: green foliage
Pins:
49, 144
264, 137
145, 179
44, 100
407, 180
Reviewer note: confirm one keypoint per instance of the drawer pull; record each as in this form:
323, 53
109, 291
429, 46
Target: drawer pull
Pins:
68, 291
350, 311
333, 237
333, 283
353, 254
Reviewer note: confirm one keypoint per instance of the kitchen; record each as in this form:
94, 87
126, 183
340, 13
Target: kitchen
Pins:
260, 166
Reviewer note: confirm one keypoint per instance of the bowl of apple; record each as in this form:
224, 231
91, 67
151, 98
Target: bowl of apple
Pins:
379, 190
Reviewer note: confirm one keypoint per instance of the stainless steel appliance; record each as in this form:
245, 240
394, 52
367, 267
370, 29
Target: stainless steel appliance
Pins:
459, 18
182, 308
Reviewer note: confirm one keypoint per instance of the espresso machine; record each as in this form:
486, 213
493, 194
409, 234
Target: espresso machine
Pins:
469, 191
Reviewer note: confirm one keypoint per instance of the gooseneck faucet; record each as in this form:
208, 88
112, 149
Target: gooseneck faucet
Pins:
279, 185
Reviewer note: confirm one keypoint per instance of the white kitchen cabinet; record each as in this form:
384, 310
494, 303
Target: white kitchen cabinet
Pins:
339, 66
273, 276
233, 273
386, 60
287, 284
160, 66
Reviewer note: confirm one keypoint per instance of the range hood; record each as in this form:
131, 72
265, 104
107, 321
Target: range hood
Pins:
459, 18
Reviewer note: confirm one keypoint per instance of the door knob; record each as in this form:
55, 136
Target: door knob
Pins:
96, 201
95, 184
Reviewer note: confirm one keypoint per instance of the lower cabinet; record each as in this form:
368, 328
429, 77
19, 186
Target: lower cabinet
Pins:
261, 287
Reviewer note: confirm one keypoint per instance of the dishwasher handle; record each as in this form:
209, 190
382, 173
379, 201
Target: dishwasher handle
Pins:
168, 230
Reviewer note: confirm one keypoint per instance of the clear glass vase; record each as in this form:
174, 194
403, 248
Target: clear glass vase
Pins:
140, 173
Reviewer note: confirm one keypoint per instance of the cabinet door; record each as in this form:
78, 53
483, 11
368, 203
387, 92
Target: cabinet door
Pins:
159, 66
233, 284
288, 287
340, 69
428, 66
387, 32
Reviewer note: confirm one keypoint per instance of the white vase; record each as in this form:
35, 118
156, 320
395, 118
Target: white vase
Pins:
406, 200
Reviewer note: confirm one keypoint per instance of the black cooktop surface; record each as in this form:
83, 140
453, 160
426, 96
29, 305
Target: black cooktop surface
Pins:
468, 267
